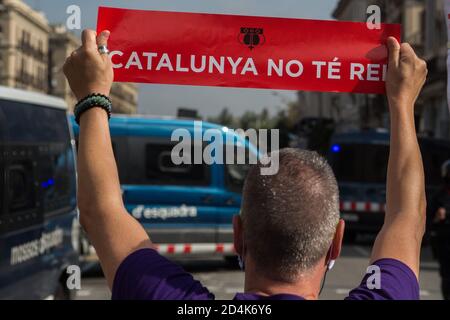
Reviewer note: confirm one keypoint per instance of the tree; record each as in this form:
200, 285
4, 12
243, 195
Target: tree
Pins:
224, 118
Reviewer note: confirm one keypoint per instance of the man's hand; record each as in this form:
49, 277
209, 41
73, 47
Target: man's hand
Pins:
86, 69
406, 75
440, 215
112, 231
404, 223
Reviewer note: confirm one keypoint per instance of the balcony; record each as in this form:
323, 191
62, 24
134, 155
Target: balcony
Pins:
29, 50
30, 80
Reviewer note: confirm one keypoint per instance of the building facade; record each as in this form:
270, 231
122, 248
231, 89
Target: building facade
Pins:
435, 112
24, 38
62, 44
424, 27
124, 96
32, 54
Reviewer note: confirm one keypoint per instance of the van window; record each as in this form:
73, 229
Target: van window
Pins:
2, 162
145, 160
56, 177
376, 161
434, 154
359, 162
21, 189
368, 162
31, 124
40, 163
235, 174
2, 180
160, 168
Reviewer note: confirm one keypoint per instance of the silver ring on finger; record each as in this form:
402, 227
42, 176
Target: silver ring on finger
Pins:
103, 49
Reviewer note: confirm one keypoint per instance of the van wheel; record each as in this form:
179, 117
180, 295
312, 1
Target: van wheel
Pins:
232, 261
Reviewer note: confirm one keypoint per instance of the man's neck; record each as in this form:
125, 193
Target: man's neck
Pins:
306, 286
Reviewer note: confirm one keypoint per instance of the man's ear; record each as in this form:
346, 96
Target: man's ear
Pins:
238, 235
336, 246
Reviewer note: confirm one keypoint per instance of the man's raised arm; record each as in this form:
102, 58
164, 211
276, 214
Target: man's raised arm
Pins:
112, 231
404, 225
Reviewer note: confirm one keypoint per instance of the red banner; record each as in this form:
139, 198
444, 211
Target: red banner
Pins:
245, 51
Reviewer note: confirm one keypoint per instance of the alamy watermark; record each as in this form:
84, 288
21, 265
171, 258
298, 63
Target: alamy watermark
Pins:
374, 17
73, 21
226, 146
73, 281
373, 282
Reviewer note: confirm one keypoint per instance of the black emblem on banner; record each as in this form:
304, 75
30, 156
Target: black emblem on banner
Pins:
252, 37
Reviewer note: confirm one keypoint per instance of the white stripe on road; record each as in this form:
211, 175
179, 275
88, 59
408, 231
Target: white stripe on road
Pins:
343, 291
84, 293
362, 251
234, 290
424, 293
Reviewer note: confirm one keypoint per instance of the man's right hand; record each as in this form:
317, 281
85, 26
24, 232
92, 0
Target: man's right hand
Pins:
405, 77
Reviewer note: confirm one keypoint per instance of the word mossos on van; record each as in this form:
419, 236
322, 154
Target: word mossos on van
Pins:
153, 61
32, 249
226, 146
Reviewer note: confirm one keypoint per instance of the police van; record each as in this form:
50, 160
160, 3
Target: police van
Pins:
38, 216
187, 209
359, 160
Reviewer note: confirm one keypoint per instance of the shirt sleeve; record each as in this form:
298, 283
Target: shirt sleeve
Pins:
146, 275
396, 282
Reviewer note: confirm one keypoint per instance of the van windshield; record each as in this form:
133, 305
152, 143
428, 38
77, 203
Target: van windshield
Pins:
359, 163
236, 172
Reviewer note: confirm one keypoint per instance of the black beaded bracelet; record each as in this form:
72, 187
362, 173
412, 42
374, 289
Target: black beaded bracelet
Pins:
94, 100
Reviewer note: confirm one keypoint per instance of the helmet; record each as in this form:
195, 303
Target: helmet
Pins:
445, 170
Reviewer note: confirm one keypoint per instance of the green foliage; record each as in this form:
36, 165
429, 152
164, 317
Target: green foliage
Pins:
285, 120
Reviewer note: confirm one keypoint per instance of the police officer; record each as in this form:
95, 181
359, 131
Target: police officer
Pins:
440, 229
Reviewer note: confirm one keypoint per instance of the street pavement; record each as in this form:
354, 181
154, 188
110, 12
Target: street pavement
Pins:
224, 279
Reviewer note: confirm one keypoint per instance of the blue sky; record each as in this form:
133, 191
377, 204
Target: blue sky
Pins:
165, 99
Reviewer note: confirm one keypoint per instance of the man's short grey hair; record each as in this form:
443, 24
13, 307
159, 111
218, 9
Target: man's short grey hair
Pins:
290, 218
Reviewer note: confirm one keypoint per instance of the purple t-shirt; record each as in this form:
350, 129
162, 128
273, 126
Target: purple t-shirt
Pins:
146, 275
